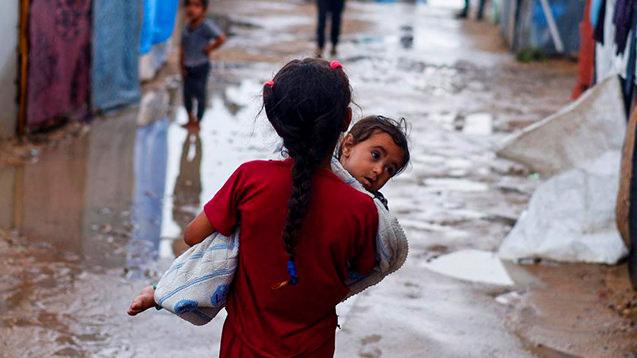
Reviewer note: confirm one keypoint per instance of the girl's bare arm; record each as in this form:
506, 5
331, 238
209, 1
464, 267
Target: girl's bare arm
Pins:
198, 229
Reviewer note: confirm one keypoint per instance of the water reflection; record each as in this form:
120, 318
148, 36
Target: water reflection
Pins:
407, 36
108, 194
151, 158
120, 195
83, 195
187, 190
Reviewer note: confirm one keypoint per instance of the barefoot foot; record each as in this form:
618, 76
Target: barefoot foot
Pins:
144, 301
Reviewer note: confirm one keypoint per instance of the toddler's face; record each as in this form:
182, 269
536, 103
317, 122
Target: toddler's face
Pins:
194, 9
373, 161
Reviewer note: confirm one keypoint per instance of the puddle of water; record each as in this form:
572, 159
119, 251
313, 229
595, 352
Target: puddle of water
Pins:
119, 195
472, 265
478, 124
452, 184
512, 298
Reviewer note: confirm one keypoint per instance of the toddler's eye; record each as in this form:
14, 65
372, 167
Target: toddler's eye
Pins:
375, 155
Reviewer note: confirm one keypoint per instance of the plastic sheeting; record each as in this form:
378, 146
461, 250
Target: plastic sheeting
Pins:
571, 217
59, 60
583, 130
525, 25
115, 71
158, 23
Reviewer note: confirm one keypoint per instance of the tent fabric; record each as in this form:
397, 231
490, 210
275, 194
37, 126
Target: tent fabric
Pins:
59, 61
158, 22
535, 32
115, 53
627, 192
525, 25
625, 211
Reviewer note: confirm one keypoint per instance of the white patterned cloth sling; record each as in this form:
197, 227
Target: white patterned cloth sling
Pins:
197, 283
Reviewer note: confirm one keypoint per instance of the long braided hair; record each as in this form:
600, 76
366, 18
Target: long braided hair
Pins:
306, 103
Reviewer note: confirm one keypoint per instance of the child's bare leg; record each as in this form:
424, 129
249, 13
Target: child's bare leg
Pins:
192, 120
144, 301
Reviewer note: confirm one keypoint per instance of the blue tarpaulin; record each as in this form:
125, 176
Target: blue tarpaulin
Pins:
115, 72
526, 26
534, 26
158, 22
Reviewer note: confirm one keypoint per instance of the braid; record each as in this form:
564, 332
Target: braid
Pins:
298, 204
306, 103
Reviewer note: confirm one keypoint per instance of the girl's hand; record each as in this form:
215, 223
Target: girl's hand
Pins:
198, 229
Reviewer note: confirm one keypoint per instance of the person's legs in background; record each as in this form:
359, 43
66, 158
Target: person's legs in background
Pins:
462, 14
201, 90
481, 9
188, 96
337, 7
323, 6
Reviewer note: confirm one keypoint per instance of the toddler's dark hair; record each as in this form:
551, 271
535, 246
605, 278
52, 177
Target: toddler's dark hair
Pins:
203, 2
396, 129
306, 105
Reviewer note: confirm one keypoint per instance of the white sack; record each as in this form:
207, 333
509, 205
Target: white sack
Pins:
571, 217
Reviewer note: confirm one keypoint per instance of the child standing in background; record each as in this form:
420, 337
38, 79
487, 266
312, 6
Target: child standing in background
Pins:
199, 38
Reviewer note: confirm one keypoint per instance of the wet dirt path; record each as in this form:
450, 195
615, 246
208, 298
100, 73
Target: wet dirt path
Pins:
95, 216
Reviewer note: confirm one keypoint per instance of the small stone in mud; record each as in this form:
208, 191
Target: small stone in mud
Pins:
438, 248
106, 229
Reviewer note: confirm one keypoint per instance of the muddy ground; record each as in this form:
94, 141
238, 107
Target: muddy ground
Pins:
90, 214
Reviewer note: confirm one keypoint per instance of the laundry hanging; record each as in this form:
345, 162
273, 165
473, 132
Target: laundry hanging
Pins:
622, 19
599, 23
629, 82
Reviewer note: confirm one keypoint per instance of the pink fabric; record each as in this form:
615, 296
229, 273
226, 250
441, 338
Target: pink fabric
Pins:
59, 60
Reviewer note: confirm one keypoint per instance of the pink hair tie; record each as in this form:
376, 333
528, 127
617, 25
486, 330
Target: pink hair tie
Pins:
335, 64
269, 83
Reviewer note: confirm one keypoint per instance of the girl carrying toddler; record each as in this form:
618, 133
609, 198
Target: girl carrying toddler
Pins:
303, 229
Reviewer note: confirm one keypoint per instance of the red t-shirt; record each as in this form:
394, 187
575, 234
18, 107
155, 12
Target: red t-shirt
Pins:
338, 234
